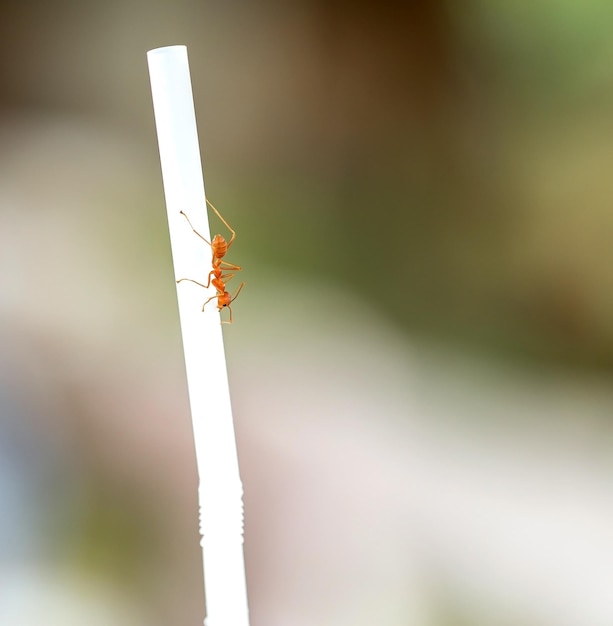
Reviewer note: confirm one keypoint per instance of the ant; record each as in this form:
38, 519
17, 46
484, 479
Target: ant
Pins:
216, 277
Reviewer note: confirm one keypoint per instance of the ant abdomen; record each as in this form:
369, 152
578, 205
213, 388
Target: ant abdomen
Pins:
219, 246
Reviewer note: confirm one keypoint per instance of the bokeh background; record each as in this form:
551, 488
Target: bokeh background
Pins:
421, 359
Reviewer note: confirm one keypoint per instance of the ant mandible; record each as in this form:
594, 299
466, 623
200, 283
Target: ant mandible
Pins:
216, 277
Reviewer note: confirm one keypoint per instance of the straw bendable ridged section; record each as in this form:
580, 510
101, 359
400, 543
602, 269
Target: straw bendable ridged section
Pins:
232, 524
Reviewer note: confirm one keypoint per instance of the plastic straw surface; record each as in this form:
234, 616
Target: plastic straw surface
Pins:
220, 490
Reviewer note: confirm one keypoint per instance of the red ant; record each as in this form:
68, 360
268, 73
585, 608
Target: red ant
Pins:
217, 278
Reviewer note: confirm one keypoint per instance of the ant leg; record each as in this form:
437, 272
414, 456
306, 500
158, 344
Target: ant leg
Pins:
229, 309
231, 266
224, 221
191, 280
211, 298
195, 231
208, 282
226, 277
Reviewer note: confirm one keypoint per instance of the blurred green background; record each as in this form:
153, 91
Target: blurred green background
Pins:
420, 361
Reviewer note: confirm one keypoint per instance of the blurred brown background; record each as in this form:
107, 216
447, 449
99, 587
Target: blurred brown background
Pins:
420, 361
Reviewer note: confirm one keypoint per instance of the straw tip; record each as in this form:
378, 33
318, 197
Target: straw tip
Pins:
167, 49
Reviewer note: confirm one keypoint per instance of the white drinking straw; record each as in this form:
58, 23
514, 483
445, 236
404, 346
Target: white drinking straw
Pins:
220, 490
